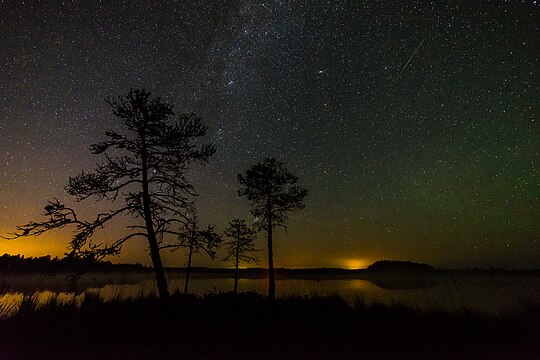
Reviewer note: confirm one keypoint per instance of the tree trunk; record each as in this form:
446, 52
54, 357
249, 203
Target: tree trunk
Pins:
236, 267
271, 280
161, 281
188, 266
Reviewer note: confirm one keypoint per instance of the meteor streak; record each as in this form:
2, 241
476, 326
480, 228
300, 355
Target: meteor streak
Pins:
410, 59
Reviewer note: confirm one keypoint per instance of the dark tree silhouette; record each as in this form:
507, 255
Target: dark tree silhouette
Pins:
196, 239
272, 193
145, 165
240, 247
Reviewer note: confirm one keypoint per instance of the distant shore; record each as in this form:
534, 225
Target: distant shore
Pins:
16, 264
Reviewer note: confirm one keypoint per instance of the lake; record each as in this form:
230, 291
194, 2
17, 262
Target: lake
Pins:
481, 293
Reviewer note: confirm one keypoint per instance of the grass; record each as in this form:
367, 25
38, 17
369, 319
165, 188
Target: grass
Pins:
247, 326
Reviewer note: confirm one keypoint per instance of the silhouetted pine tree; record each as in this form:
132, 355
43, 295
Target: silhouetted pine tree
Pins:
272, 193
145, 165
240, 247
195, 239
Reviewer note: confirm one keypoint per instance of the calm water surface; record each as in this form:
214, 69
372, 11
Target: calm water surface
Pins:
488, 294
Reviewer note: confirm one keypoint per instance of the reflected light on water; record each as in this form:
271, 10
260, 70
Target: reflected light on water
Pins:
11, 302
476, 293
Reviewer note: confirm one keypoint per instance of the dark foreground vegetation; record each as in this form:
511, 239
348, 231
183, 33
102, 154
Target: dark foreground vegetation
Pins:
249, 326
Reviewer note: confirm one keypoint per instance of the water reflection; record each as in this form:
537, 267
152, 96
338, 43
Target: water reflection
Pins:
11, 302
478, 293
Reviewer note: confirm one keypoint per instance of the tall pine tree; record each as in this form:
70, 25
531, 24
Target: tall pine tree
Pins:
145, 166
272, 193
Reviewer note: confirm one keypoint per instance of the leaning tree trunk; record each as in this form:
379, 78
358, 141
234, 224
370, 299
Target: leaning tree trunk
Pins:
271, 280
161, 281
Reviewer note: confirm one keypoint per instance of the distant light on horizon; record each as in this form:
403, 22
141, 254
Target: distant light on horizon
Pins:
351, 264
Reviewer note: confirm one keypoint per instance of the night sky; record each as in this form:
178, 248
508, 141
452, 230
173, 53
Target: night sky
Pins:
415, 125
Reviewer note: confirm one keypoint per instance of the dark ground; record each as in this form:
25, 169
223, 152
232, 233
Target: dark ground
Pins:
222, 326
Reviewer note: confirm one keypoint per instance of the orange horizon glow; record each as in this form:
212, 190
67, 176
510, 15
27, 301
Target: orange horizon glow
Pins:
355, 263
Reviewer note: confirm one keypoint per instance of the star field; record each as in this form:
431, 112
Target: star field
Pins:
415, 126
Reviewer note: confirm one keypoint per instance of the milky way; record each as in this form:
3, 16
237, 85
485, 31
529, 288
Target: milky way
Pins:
414, 126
